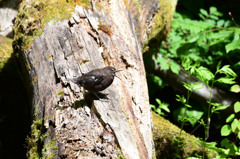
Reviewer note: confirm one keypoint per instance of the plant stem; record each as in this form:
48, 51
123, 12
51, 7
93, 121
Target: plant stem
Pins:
185, 107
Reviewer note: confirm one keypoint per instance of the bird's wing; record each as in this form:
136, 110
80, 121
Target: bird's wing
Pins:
95, 78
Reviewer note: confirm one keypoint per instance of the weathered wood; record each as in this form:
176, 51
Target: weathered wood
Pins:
77, 123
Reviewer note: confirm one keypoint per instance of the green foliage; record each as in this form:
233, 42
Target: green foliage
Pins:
191, 116
161, 107
198, 46
232, 126
204, 41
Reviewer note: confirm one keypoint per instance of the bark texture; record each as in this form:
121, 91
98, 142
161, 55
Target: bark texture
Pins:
76, 124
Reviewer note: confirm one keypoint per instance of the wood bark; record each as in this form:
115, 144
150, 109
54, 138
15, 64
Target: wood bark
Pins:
81, 125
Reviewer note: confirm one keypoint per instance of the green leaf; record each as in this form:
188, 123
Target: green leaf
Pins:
164, 106
214, 17
234, 125
174, 67
225, 143
192, 116
158, 101
227, 71
238, 126
233, 149
235, 88
181, 99
226, 130
218, 106
237, 107
163, 63
204, 12
220, 23
201, 16
193, 87
212, 10
226, 80
153, 106
204, 74
230, 118
235, 43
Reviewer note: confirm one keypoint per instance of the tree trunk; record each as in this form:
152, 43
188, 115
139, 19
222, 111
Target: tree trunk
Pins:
68, 122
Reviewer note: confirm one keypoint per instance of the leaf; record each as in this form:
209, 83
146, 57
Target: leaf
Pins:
174, 67
214, 17
153, 106
234, 44
163, 63
192, 116
164, 106
181, 99
193, 87
204, 12
227, 71
235, 88
237, 107
234, 126
226, 130
204, 74
218, 106
158, 101
233, 149
212, 9
226, 80
230, 118
225, 143
220, 23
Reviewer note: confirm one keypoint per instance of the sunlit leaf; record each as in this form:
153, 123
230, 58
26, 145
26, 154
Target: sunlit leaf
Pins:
226, 80
237, 107
174, 67
235, 88
226, 130
234, 125
230, 118
204, 74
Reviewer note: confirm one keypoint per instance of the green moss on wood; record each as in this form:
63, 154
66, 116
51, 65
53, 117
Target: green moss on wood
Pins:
34, 15
161, 23
169, 143
51, 145
6, 51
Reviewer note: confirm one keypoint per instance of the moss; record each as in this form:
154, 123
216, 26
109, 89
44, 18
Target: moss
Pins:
136, 2
120, 155
6, 51
161, 23
51, 145
60, 93
33, 16
169, 143
34, 140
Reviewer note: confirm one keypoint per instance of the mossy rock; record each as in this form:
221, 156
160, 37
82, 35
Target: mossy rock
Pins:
169, 143
6, 50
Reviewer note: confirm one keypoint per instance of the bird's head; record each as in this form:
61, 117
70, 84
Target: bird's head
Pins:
112, 71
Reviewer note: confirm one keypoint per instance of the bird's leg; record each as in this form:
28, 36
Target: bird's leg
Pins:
101, 99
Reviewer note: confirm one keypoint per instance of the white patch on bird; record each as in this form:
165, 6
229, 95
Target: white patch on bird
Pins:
93, 77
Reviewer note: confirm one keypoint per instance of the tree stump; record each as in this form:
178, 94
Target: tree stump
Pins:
68, 121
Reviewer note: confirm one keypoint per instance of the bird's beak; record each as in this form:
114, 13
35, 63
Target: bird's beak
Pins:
116, 75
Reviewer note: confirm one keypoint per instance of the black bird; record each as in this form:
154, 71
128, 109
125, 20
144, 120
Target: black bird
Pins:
96, 80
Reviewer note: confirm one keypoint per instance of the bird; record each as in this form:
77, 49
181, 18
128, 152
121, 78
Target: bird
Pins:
96, 80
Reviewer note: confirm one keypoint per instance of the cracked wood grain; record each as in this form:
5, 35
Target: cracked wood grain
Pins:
79, 121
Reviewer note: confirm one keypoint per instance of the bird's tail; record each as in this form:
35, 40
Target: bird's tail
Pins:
74, 80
